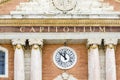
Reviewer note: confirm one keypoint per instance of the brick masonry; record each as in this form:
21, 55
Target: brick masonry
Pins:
10, 61
79, 71
10, 5
114, 3
118, 61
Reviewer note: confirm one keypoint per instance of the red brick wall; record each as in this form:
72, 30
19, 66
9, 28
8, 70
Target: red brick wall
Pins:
118, 61
115, 4
50, 71
10, 5
10, 61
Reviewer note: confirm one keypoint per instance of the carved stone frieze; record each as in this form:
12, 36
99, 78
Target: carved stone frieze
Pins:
64, 9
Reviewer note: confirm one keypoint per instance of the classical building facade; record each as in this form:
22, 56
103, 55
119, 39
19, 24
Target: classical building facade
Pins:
59, 40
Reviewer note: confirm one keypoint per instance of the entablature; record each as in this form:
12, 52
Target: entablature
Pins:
59, 22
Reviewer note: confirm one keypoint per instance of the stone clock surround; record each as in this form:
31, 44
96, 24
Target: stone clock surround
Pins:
65, 54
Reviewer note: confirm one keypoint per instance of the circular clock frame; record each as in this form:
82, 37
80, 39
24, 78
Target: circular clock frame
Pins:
65, 64
64, 5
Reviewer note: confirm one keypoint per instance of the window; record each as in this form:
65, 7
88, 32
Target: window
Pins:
3, 62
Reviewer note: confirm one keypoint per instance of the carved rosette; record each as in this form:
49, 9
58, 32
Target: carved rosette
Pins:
64, 5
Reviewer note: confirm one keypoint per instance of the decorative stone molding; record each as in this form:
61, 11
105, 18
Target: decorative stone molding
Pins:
110, 46
60, 36
94, 41
18, 41
93, 8
59, 22
36, 42
3, 1
117, 1
65, 76
113, 41
94, 46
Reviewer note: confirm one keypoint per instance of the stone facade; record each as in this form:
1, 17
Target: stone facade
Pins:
35, 29
5, 8
50, 71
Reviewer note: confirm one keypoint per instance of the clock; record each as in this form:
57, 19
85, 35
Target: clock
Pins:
64, 58
64, 5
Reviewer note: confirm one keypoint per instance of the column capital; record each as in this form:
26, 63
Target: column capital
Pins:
36, 42
94, 41
18, 41
113, 41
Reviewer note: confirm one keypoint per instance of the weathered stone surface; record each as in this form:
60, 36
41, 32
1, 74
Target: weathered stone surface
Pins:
110, 64
41, 8
93, 63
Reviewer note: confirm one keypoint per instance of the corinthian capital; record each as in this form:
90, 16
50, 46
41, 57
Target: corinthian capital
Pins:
36, 42
18, 41
113, 41
94, 41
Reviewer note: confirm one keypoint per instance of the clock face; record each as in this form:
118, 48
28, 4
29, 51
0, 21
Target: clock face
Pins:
64, 5
65, 58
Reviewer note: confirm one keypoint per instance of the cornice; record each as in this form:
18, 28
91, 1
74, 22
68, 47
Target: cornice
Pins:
59, 22
117, 1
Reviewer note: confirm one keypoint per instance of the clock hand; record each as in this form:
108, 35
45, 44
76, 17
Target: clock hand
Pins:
65, 55
62, 55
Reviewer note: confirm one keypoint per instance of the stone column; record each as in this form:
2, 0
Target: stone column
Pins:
19, 73
36, 59
110, 59
93, 59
